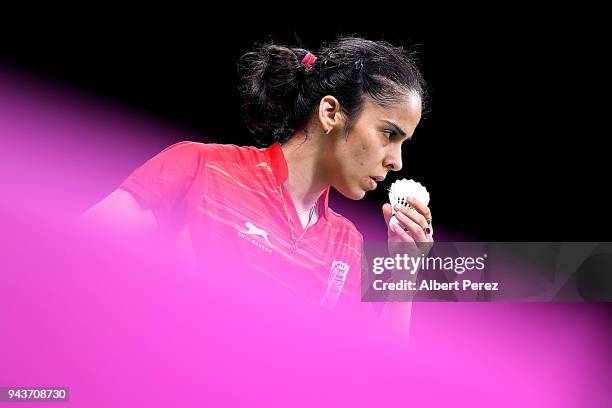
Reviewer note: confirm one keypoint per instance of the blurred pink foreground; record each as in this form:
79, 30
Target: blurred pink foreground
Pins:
125, 324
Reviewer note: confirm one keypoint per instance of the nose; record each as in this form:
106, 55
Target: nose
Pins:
393, 159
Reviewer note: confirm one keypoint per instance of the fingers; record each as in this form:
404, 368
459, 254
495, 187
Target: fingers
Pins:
420, 207
421, 216
387, 212
413, 215
399, 231
414, 220
415, 229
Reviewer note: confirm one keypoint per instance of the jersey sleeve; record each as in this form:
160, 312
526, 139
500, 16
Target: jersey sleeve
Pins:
161, 184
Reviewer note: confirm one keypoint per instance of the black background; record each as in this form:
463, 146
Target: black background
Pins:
511, 147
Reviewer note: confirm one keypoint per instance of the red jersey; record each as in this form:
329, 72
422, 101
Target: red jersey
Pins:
234, 204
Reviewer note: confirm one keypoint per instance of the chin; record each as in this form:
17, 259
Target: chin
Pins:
358, 195
351, 190
353, 194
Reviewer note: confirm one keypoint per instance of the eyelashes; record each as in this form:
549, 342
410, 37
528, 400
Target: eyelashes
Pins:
392, 134
389, 133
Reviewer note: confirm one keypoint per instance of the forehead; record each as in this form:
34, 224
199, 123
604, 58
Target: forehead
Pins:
406, 112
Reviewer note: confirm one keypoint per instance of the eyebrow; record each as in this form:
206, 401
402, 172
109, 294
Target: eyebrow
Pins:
393, 124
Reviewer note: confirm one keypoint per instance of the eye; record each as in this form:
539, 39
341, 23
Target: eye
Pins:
389, 133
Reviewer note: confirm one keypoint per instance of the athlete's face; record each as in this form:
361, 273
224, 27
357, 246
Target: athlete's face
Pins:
372, 147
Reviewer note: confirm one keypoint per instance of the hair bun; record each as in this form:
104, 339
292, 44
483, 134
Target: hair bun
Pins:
270, 82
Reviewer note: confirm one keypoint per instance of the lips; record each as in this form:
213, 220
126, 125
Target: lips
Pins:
375, 180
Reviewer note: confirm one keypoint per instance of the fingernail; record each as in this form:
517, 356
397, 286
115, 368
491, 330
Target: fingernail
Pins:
410, 198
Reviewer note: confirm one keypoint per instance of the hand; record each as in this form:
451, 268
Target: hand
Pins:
413, 227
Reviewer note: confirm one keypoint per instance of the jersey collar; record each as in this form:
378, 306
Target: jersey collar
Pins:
278, 163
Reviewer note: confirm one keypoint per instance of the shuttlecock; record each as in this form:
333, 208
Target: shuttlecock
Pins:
398, 192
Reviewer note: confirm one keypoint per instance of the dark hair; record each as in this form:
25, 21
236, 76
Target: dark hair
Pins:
280, 94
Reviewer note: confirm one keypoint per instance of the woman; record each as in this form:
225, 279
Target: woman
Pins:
336, 118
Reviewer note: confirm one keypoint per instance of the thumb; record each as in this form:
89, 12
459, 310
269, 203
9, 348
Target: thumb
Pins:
387, 212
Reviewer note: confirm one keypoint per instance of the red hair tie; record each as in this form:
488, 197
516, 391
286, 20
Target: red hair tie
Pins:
309, 59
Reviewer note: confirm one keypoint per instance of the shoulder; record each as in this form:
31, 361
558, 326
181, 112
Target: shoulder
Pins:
213, 151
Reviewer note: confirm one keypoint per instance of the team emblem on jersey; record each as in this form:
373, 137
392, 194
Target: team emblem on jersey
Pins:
335, 282
252, 230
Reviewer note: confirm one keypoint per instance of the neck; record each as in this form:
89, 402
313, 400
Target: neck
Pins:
305, 180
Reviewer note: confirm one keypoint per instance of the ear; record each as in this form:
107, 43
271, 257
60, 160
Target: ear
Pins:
330, 116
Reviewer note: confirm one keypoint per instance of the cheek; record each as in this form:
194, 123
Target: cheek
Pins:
364, 153
359, 147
